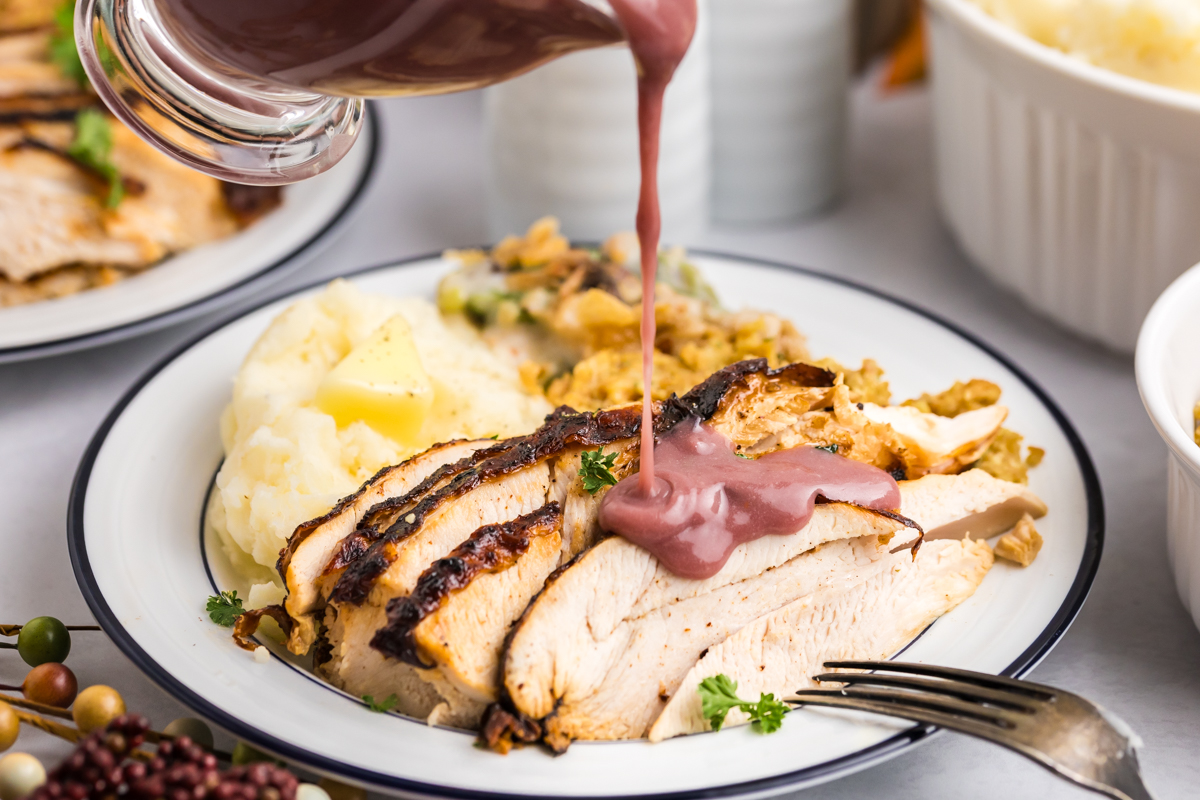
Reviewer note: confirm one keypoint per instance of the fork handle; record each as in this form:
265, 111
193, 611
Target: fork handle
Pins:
1127, 783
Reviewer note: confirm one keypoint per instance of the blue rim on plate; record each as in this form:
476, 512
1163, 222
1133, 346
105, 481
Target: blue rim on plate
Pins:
245, 287
852, 762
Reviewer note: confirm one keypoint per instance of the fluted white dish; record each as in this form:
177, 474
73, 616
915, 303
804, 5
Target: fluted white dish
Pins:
781, 73
1168, 376
562, 140
1073, 186
146, 567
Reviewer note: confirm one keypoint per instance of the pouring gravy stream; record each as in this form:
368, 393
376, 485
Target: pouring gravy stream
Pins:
705, 500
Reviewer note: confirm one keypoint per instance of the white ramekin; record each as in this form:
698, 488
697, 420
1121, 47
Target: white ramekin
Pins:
1076, 187
1168, 376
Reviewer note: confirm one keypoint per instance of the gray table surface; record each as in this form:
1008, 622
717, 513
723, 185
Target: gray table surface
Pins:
1133, 648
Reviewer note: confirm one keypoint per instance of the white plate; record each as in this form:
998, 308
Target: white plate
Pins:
200, 279
136, 511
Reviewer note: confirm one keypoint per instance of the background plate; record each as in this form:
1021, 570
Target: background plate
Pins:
198, 280
141, 487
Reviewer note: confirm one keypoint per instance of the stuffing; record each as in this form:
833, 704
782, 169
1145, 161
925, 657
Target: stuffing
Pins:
1021, 545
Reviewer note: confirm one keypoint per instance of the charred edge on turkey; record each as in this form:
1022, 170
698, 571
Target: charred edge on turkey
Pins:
306, 529
503, 728
503, 724
383, 514
491, 548
564, 428
247, 624
903, 520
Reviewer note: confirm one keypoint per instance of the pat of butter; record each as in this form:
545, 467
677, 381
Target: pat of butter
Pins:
382, 383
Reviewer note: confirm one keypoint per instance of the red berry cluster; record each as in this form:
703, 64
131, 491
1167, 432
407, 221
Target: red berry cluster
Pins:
95, 769
258, 781
180, 770
100, 769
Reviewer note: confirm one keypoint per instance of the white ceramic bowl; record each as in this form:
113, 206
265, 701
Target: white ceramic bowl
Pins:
1168, 376
1075, 187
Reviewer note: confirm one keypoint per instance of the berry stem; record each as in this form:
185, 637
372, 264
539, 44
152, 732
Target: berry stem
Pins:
13, 630
7, 646
50, 726
151, 737
8, 688
41, 708
72, 735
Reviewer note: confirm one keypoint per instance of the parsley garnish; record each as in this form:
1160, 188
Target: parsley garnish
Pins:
595, 469
92, 147
62, 44
718, 696
828, 448
383, 706
742, 455
225, 608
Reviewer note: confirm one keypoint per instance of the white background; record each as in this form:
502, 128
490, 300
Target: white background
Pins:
1132, 649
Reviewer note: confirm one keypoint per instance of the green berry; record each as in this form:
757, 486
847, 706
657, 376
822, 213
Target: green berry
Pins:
195, 729
245, 754
43, 640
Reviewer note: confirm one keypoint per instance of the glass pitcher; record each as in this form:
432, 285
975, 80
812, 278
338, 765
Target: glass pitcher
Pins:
271, 91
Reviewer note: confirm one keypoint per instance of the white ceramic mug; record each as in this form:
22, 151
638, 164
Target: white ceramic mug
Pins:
781, 73
562, 140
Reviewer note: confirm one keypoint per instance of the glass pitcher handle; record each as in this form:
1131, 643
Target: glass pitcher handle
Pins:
230, 125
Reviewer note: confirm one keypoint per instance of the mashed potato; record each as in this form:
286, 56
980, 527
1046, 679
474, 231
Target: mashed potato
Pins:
1154, 40
286, 461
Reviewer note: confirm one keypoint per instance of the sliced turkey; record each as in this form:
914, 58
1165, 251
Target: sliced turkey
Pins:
871, 620
373, 567
971, 504
453, 624
604, 647
314, 543
357, 606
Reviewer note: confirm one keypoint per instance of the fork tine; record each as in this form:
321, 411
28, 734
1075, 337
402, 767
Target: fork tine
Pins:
989, 681
934, 702
963, 691
971, 727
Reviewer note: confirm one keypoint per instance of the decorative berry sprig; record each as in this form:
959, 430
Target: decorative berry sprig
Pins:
109, 761
101, 768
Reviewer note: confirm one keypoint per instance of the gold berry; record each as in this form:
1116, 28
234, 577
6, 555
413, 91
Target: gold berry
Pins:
96, 706
10, 726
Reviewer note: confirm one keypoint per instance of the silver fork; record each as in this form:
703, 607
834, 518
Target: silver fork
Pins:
1063, 732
